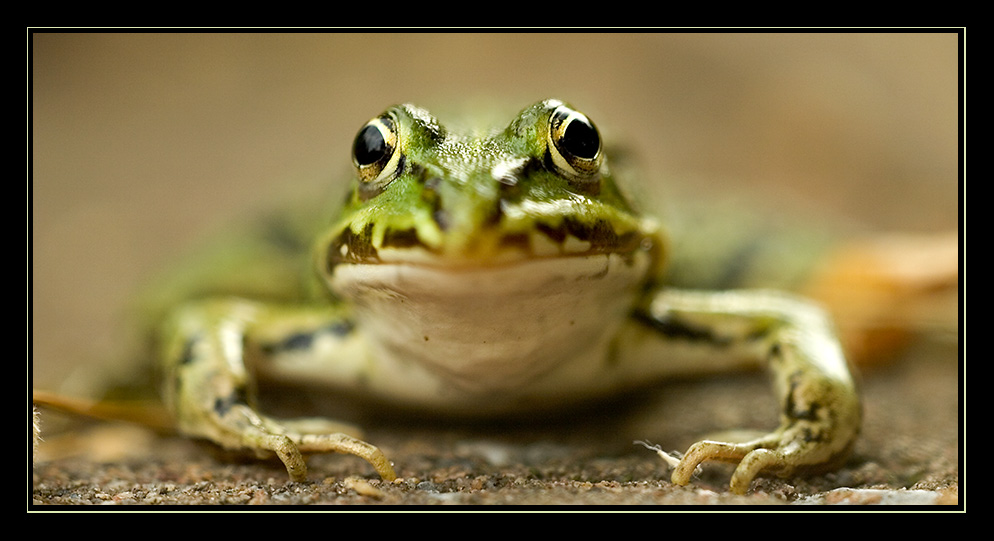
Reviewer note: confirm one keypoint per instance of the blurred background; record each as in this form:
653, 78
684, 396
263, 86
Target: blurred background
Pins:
142, 142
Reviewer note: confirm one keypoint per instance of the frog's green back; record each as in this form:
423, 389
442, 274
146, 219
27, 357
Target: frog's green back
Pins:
267, 258
720, 245
728, 241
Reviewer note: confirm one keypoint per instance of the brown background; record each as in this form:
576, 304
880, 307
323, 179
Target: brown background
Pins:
141, 142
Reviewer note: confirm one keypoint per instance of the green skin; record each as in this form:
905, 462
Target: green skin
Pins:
489, 273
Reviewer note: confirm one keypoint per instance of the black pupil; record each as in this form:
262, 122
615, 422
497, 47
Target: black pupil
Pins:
581, 139
369, 146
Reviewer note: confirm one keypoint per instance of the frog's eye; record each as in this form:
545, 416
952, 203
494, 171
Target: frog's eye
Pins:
575, 144
375, 153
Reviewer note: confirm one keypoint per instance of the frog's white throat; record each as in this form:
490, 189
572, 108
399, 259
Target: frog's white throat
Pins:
492, 329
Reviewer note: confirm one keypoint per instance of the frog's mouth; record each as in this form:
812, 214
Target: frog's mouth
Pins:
568, 237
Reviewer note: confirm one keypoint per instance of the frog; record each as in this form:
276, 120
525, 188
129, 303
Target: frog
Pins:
490, 272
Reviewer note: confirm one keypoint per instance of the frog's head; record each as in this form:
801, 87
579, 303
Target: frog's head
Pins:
491, 258
539, 188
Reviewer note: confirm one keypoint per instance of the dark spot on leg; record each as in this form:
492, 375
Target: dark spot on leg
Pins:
341, 328
793, 408
224, 404
673, 327
186, 356
297, 341
810, 435
305, 339
776, 353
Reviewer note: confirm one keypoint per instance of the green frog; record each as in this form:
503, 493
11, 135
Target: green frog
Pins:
491, 273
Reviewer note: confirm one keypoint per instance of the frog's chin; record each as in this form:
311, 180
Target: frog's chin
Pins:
494, 327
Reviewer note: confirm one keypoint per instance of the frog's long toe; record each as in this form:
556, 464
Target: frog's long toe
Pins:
754, 463
712, 450
289, 454
343, 443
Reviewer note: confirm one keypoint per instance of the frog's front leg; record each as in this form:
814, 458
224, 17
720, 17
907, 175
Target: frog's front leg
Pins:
208, 387
820, 411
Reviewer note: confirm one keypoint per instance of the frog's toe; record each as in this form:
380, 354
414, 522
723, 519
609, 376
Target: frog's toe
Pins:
289, 454
343, 443
320, 435
754, 463
703, 451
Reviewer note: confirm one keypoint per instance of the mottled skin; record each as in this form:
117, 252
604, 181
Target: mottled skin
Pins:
487, 273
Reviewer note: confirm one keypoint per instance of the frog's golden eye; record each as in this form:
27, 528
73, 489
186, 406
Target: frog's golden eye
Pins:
376, 154
575, 144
